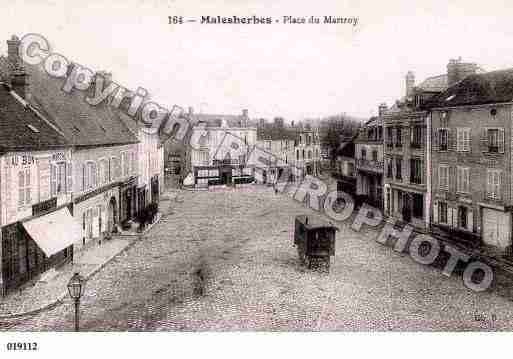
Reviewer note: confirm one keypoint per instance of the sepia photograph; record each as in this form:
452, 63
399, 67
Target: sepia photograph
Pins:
255, 173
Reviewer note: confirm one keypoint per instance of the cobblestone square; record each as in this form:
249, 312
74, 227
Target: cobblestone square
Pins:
224, 260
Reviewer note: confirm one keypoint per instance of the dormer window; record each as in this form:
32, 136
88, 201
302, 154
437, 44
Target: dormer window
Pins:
493, 112
33, 129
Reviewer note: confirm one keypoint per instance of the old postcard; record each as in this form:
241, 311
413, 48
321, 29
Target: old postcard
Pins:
255, 166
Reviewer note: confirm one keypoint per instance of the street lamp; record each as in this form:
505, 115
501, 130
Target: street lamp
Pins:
75, 288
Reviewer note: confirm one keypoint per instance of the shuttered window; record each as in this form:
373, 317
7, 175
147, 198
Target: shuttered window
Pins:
463, 140
493, 184
24, 190
69, 177
463, 179
442, 212
443, 177
443, 139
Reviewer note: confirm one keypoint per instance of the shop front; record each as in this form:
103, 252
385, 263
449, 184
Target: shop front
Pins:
35, 245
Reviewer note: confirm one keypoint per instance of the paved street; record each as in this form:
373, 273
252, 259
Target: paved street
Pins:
224, 260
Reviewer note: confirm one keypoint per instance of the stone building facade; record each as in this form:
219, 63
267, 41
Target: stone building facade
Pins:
472, 160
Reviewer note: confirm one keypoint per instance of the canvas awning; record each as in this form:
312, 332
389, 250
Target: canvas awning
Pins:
54, 231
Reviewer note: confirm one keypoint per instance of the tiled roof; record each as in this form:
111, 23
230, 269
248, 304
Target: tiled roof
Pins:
434, 84
213, 120
22, 129
82, 124
485, 88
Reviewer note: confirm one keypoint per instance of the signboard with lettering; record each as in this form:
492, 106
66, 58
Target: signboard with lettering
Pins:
44, 206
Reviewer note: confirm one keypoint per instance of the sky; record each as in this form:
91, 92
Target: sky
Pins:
295, 71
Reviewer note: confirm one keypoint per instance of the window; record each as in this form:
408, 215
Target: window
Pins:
24, 195
297, 155
380, 133
443, 177
91, 175
104, 171
133, 163
463, 179
398, 137
418, 205
375, 155
443, 139
69, 177
389, 168
364, 153
493, 184
463, 140
442, 212
125, 163
390, 137
415, 171
309, 154
462, 216
398, 168
57, 178
416, 137
494, 140
203, 157
303, 154
350, 169
115, 168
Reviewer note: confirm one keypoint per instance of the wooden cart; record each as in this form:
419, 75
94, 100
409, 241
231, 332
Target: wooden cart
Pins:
315, 240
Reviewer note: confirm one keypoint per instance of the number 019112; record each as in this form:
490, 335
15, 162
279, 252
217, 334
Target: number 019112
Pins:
22, 346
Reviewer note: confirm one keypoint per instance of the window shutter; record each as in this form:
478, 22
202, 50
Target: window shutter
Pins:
498, 183
21, 188
94, 175
53, 180
466, 180
84, 174
459, 181
28, 198
467, 139
451, 140
451, 181
435, 212
501, 140
484, 140
459, 139
470, 220
69, 177
489, 181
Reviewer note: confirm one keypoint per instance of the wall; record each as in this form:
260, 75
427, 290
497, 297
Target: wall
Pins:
474, 118
38, 162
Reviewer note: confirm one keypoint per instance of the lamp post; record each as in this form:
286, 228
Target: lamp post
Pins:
75, 288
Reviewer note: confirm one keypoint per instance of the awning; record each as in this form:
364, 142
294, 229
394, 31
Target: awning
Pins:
54, 231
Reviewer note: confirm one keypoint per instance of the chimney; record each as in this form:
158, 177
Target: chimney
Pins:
382, 109
13, 54
245, 113
410, 83
458, 70
18, 76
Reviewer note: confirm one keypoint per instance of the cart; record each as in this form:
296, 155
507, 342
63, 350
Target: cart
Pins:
315, 241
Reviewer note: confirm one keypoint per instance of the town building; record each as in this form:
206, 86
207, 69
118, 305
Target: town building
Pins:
369, 161
472, 160
345, 167
406, 152
203, 167
296, 148
37, 226
104, 153
408, 141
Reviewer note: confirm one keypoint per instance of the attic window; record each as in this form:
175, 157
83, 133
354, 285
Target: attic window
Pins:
33, 129
450, 98
493, 112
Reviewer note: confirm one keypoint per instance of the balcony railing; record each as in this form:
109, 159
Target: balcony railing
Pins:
371, 165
